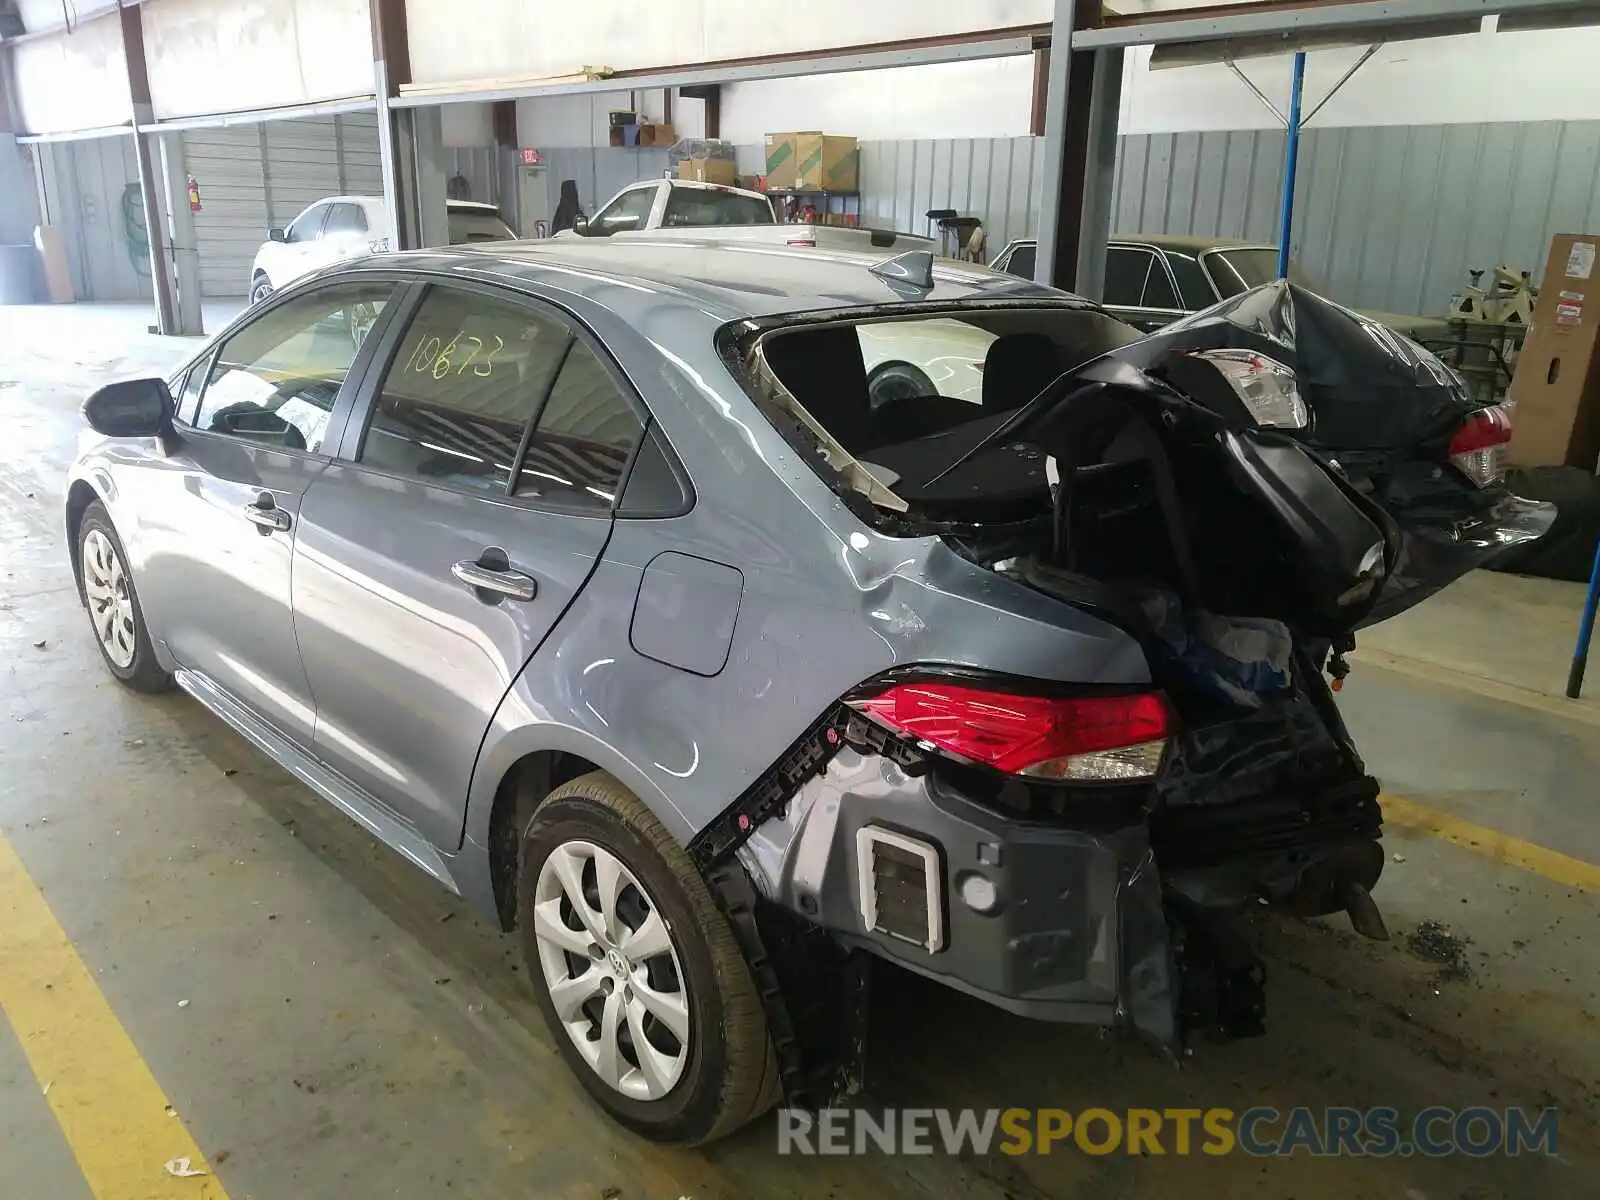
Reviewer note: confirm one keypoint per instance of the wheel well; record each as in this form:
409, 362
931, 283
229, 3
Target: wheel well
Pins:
79, 496
530, 779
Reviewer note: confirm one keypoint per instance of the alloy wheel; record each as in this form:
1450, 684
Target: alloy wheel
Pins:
110, 600
612, 969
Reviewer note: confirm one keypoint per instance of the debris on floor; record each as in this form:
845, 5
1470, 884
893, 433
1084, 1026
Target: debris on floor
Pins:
181, 1168
1433, 942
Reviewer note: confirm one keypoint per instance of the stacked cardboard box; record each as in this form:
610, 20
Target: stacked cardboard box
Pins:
812, 161
1557, 382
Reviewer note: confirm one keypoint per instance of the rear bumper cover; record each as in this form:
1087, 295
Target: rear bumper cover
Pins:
1084, 927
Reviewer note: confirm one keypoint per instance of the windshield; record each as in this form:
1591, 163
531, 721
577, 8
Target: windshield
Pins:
478, 225
894, 403
1236, 271
714, 206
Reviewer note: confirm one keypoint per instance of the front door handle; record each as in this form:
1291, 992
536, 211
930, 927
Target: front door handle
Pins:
500, 580
264, 513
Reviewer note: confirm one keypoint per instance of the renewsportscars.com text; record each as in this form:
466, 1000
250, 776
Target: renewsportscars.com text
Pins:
1260, 1132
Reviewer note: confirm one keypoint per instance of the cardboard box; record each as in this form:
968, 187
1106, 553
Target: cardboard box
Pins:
654, 134
812, 161
708, 170
1557, 381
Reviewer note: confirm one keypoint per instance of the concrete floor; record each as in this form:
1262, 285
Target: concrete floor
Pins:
351, 1030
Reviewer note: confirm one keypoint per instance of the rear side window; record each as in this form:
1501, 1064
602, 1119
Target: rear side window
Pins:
1193, 285
1158, 291
709, 206
584, 437
469, 376
1126, 271
1022, 260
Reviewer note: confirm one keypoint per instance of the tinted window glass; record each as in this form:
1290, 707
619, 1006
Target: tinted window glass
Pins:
275, 380
1126, 271
189, 390
585, 435
478, 225
346, 218
1194, 290
654, 489
469, 375
1158, 291
1022, 260
307, 226
707, 206
628, 211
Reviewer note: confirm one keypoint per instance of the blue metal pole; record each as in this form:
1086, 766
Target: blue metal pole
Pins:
1291, 164
1580, 656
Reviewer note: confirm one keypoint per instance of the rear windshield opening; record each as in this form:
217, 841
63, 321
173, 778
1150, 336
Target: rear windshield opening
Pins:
467, 228
906, 398
708, 206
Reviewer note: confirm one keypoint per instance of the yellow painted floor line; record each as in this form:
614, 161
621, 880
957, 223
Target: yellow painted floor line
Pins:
1491, 843
110, 1108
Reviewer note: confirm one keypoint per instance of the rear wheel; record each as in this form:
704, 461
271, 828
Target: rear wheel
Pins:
897, 381
113, 605
260, 288
636, 970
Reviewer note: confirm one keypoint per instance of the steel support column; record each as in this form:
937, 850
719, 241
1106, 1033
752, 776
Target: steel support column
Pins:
1100, 174
179, 234
1072, 190
391, 67
144, 152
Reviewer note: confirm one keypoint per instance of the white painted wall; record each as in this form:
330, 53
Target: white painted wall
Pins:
978, 99
208, 57
549, 122
1532, 76
480, 39
467, 124
73, 81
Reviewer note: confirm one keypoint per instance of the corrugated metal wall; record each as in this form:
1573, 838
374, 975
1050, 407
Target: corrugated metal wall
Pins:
996, 179
86, 187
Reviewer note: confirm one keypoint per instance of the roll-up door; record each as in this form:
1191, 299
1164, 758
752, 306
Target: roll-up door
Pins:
252, 177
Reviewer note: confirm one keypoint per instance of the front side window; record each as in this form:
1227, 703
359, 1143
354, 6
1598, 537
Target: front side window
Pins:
469, 225
346, 218
712, 206
1158, 290
276, 379
627, 212
307, 226
469, 376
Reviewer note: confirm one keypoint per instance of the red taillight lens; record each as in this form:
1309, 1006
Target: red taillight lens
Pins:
1478, 448
802, 241
1088, 738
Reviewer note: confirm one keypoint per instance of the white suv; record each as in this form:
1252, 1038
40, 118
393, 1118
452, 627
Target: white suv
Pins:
343, 227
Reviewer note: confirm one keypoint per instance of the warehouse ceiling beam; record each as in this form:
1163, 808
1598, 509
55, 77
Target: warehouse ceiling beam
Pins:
1357, 21
985, 44
254, 116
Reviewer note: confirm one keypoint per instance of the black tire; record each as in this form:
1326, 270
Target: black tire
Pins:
144, 673
893, 381
260, 288
731, 1073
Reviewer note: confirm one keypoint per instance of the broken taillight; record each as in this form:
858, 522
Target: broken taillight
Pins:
1478, 448
1089, 739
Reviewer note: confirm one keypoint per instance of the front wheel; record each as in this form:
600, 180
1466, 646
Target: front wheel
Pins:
260, 288
113, 605
636, 970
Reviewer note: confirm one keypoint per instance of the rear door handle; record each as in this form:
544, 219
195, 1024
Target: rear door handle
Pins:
264, 513
503, 582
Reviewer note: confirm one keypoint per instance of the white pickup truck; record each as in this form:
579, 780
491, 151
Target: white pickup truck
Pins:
679, 208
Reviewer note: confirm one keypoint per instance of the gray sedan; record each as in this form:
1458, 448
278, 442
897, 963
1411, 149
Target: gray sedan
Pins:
588, 577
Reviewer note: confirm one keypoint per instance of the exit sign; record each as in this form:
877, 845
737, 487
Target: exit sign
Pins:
531, 157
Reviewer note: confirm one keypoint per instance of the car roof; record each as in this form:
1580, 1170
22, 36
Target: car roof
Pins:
702, 185
726, 280
1190, 243
452, 205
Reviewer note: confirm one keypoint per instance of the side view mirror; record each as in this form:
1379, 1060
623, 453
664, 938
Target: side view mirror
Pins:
131, 408
580, 224
276, 234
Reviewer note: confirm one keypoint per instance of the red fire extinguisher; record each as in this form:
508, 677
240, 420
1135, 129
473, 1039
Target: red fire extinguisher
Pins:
194, 194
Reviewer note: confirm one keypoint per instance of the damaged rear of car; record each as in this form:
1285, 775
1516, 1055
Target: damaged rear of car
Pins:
1070, 823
